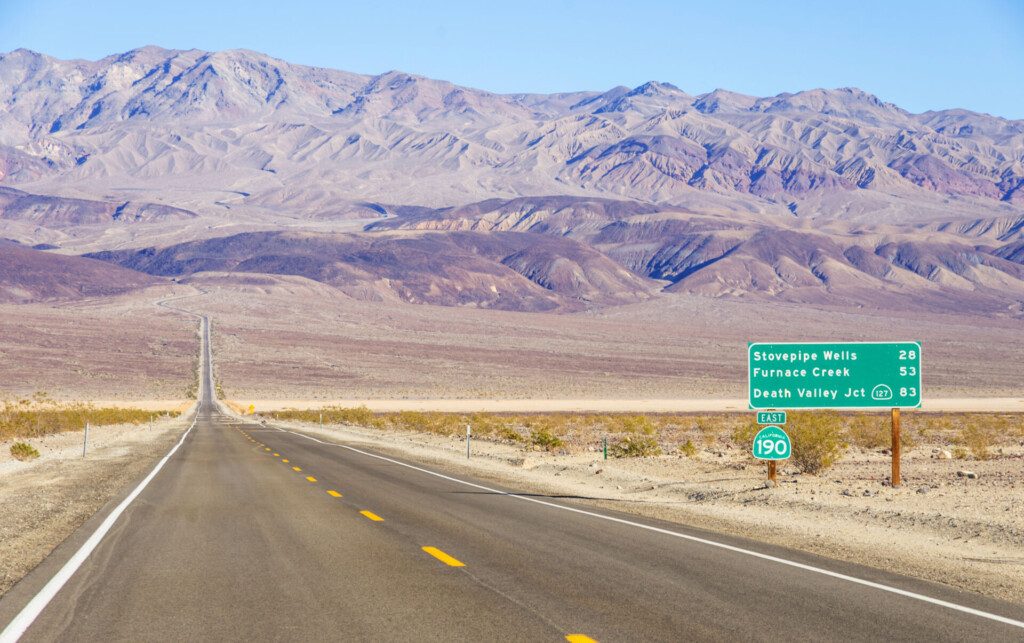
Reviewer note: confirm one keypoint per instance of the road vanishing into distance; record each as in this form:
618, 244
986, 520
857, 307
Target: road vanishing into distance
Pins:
251, 532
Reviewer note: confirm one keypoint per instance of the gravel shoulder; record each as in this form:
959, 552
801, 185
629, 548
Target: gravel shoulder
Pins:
966, 532
44, 501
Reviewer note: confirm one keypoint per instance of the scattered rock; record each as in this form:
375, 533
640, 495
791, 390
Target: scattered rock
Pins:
945, 455
847, 492
924, 489
967, 474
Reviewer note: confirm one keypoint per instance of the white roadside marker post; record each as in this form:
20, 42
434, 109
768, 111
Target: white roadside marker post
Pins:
85, 439
468, 438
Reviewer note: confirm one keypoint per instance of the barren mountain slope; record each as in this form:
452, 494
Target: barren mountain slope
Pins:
938, 266
28, 275
278, 135
501, 270
62, 212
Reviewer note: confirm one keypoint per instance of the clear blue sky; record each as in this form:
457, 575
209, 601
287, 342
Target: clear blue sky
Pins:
920, 55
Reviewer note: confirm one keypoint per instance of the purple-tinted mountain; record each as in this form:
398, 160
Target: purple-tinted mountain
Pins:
303, 138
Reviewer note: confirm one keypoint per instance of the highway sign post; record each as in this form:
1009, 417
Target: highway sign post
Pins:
833, 375
772, 444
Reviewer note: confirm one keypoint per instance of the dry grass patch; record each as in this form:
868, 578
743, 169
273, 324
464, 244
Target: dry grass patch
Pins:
39, 415
820, 439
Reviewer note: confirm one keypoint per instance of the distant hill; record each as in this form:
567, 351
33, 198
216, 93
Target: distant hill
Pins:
510, 271
62, 212
28, 275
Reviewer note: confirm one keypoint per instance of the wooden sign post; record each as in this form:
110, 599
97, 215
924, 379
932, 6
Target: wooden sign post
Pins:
895, 446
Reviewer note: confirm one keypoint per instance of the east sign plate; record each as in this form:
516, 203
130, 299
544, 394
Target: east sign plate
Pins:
834, 375
771, 417
771, 443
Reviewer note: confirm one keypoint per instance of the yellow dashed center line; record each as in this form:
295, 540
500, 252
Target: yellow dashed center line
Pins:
443, 557
311, 478
579, 638
285, 460
332, 492
296, 468
266, 449
277, 455
372, 516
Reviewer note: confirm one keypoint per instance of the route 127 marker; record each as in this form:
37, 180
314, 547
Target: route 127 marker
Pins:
772, 444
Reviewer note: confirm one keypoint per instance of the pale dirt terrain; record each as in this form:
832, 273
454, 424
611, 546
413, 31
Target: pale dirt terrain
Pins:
298, 340
967, 533
298, 343
123, 348
43, 501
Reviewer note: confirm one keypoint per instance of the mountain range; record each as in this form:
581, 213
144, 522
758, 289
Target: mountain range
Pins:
175, 162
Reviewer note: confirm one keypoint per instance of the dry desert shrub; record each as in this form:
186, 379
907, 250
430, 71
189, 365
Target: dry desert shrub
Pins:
510, 434
543, 438
869, 432
977, 437
23, 451
688, 449
635, 446
742, 434
817, 439
633, 424
873, 431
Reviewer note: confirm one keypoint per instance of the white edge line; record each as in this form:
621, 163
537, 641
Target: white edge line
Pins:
31, 611
703, 541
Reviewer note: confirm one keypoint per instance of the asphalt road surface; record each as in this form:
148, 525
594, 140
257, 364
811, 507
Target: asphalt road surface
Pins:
249, 532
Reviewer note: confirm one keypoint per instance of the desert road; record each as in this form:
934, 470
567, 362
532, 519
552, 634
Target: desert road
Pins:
251, 532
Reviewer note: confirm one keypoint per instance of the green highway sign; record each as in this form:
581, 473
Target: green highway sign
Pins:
771, 417
771, 443
823, 375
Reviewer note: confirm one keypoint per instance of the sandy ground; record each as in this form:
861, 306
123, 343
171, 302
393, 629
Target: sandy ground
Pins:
122, 348
965, 532
966, 405
297, 341
287, 343
44, 500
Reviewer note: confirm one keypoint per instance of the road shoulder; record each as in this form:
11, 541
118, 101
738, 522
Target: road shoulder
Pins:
42, 503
